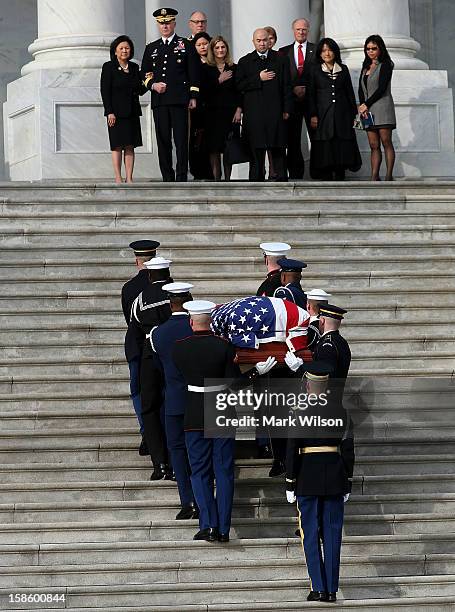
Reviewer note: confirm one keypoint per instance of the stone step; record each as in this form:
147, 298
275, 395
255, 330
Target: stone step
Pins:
244, 507
163, 596
208, 572
103, 527
77, 554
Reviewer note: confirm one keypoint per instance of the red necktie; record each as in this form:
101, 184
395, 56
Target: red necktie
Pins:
301, 60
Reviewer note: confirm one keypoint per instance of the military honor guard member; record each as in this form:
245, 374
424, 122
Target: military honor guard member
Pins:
149, 309
291, 274
319, 477
162, 340
315, 298
170, 70
272, 251
203, 356
332, 355
143, 250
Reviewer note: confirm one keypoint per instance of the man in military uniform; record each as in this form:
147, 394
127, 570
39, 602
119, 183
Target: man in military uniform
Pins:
319, 477
198, 357
272, 251
149, 309
162, 339
291, 275
143, 250
170, 70
315, 298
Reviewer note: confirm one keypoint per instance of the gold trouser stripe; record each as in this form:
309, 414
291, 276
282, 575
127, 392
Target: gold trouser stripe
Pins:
318, 449
301, 541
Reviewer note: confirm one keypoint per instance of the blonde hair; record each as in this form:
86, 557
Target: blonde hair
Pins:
211, 55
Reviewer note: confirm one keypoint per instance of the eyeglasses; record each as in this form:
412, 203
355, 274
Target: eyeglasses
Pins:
196, 21
372, 48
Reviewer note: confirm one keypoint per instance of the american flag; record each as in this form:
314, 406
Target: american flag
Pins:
249, 322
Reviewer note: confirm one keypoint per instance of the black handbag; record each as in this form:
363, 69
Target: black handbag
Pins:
237, 150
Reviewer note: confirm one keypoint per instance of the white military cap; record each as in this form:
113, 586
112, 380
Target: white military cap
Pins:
276, 249
199, 307
157, 263
318, 295
177, 287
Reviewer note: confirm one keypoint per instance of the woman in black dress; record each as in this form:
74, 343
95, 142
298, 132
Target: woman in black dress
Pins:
198, 155
332, 107
223, 106
121, 86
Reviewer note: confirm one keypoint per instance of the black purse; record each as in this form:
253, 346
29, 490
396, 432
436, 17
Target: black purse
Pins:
237, 150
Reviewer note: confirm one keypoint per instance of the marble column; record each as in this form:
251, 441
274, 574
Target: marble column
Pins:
424, 138
247, 15
185, 8
54, 118
351, 21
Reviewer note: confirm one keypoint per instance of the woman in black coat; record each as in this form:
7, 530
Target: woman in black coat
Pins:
121, 86
223, 103
332, 107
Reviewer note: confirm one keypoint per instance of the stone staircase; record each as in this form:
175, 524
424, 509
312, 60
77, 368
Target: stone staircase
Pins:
78, 514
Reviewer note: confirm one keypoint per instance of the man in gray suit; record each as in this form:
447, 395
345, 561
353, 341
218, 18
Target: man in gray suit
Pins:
301, 56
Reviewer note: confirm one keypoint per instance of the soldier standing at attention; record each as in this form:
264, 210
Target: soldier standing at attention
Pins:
143, 250
272, 252
170, 70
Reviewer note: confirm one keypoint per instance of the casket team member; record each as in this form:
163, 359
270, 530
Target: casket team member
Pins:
120, 89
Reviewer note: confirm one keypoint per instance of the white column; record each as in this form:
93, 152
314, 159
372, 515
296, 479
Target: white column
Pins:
185, 8
350, 22
75, 34
247, 15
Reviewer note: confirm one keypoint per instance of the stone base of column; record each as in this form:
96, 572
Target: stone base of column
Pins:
55, 129
424, 138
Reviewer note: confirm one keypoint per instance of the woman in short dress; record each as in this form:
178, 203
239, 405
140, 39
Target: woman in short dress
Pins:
375, 97
121, 87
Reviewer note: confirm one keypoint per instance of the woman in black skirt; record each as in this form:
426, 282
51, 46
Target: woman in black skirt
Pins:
121, 87
332, 107
223, 103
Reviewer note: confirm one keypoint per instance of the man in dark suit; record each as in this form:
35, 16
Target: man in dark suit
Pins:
143, 250
264, 79
301, 56
170, 70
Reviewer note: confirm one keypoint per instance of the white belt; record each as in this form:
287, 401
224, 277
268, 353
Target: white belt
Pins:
196, 389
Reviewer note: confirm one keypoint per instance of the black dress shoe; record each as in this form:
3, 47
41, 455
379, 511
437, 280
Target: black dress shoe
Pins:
277, 468
265, 452
317, 596
143, 450
331, 598
188, 512
161, 472
209, 535
223, 537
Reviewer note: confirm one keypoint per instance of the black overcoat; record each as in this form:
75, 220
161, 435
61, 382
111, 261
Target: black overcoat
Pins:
120, 91
333, 103
264, 102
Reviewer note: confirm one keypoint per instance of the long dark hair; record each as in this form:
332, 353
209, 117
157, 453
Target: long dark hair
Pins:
332, 45
115, 43
384, 56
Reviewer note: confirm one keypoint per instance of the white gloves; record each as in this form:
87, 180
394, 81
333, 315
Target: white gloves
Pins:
292, 361
290, 496
346, 497
265, 366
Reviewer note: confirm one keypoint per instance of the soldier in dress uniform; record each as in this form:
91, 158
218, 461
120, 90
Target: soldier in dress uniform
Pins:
272, 251
315, 298
291, 274
202, 356
149, 309
170, 70
143, 250
319, 477
162, 339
